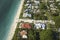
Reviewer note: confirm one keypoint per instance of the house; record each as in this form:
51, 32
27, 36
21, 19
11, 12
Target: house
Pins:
51, 5
36, 7
26, 14
43, 26
25, 25
32, 7
28, 1
36, 2
23, 34
39, 25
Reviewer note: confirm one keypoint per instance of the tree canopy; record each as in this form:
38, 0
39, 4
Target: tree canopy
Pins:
57, 22
46, 35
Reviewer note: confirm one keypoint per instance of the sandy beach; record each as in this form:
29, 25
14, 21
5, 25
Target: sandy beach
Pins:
14, 24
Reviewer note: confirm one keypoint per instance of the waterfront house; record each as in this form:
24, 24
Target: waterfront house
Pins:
23, 34
26, 14
26, 25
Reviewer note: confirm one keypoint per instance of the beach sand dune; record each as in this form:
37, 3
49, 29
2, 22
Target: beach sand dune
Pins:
14, 24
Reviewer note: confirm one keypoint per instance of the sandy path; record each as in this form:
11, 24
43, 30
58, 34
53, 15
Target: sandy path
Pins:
14, 24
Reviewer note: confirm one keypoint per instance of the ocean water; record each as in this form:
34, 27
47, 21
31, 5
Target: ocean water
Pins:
8, 9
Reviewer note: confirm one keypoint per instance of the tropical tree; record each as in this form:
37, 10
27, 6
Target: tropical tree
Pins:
46, 35
57, 22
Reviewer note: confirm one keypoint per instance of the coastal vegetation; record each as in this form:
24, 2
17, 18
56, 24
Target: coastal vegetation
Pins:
46, 35
48, 11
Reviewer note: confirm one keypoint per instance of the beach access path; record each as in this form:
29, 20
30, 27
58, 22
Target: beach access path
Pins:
42, 21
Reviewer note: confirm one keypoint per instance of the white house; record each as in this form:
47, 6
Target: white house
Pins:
28, 1
36, 7
26, 14
51, 5
32, 7
43, 26
39, 25
24, 36
36, 2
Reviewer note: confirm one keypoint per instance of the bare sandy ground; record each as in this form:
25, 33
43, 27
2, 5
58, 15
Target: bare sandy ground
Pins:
14, 24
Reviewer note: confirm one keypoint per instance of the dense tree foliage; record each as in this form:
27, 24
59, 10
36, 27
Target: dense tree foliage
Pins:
46, 35
57, 4
57, 22
43, 6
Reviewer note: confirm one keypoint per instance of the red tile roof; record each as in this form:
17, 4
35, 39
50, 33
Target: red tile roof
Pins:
26, 25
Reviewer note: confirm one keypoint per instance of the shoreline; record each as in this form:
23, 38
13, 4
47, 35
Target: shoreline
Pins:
14, 24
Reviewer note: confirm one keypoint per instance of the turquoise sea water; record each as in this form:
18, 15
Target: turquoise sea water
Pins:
8, 9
